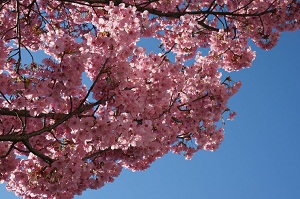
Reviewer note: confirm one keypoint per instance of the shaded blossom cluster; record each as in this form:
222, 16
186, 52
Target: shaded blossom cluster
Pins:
59, 137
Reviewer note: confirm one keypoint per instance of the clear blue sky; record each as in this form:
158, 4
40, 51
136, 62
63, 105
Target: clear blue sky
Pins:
260, 156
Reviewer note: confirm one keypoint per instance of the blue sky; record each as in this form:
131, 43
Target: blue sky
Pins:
259, 158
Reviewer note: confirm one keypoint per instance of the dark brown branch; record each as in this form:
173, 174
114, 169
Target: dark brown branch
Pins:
37, 153
171, 104
24, 138
167, 52
25, 113
3, 3
95, 154
12, 28
174, 14
9, 150
57, 140
94, 83
178, 14
65, 118
19, 36
176, 120
184, 104
21, 150
11, 130
5, 99
146, 3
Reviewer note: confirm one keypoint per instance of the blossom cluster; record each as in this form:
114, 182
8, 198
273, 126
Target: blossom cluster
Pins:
60, 135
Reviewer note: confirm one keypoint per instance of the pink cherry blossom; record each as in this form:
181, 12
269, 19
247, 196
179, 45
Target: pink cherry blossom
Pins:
81, 97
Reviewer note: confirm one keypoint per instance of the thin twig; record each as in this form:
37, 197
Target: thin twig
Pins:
94, 83
95, 154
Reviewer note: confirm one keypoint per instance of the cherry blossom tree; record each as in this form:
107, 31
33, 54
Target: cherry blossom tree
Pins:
59, 137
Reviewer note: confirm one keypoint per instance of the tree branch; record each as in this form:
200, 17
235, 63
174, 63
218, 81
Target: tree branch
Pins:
9, 150
94, 83
95, 154
37, 153
173, 14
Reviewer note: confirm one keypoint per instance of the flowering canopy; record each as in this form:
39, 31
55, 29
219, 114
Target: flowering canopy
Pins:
59, 137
